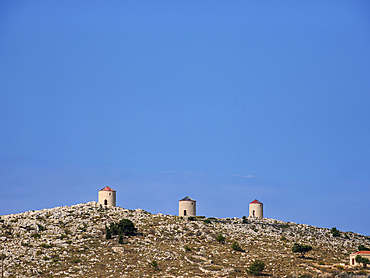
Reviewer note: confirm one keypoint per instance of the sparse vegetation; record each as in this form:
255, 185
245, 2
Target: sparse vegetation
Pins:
187, 248
256, 268
220, 238
154, 265
235, 246
36, 235
178, 246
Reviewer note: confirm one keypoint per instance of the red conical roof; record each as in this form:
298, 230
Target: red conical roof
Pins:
255, 202
107, 188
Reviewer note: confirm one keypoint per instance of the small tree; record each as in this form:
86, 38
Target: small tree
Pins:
245, 220
235, 246
361, 260
108, 234
335, 232
300, 248
256, 268
363, 248
187, 248
220, 238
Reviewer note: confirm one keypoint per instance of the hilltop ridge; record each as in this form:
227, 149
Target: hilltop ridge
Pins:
70, 241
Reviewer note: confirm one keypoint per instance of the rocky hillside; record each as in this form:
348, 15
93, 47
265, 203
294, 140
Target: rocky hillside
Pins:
71, 242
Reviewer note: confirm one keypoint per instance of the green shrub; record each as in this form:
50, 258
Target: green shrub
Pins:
154, 265
363, 248
187, 248
361, 260
283, 238
39, 252
36, 235
108, 234
120, 240
235, 246
75, 261
207, 221
44, 245
55, 258
69, 241
124, 227
335, 232
256, 268
191, 218
245, 220
41, 228
306, 275
63, 237
300, 248
220, 238
321, 263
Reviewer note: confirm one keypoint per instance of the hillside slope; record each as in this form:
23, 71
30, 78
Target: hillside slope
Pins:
70, 242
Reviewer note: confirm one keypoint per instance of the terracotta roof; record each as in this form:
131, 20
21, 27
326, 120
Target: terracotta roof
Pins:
361, 252
187, 198
107, 188
255, 202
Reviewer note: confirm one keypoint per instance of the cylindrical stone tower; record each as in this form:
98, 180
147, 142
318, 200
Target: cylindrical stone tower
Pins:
256, 209
107, 197
187, 207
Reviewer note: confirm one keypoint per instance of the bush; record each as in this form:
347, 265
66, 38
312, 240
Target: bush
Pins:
187, 248
69, 241
154, 265
363, 248
335, 232
321, 263
108, 234
256, 268
44, 245
123, 227
235, 246
305, 275
300, 248
75, 261
41, 228
63, 237
245, 220
207, 221
191, 218
361, 260
39, 252
220, 238
120, 240
36, 235
55, 258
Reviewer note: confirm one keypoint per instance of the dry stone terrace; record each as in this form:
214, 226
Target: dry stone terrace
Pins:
70, 242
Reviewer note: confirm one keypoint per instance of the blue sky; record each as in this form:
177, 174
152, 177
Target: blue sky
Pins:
222, 101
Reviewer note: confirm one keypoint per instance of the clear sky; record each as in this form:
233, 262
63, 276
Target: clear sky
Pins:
224, 101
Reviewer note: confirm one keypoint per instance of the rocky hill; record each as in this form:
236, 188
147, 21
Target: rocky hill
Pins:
71, 242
